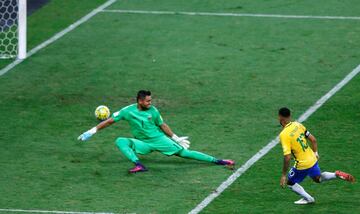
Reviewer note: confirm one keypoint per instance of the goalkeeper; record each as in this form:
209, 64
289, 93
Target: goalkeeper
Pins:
150, 134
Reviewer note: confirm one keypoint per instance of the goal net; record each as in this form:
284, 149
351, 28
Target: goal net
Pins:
12, 29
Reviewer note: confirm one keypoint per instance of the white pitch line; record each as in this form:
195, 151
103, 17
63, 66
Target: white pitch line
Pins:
273, 143
58, 35
53, 212
231, 14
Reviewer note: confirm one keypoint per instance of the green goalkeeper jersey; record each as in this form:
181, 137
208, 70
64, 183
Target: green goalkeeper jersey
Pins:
144, 124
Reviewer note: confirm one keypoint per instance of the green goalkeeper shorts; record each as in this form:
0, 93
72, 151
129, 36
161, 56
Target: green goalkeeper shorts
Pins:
161, 144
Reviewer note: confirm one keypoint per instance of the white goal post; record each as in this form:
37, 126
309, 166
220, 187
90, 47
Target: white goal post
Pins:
13, 29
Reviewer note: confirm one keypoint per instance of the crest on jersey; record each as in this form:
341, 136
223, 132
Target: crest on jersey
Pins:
149, 117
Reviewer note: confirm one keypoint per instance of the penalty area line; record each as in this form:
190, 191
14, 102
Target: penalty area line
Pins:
232, 178
48, 211
259, 15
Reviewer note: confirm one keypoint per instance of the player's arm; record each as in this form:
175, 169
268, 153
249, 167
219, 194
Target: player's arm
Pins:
105, 124
166, 129
286, 146
285, 168
86, 135
182, 141
313, 141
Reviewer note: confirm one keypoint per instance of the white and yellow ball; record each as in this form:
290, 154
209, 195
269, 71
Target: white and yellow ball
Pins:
102, 112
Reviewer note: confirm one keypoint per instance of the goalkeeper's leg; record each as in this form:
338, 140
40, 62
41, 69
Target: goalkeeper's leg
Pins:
125, 145
184, 153
128, 147
168, 147
204, 157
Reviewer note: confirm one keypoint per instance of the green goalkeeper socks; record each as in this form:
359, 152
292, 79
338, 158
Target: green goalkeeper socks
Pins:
196, 156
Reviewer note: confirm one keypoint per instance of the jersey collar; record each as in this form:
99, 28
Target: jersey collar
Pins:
288, 124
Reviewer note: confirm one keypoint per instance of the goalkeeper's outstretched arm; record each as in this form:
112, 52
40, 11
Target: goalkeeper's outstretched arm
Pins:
86, 135
105, 124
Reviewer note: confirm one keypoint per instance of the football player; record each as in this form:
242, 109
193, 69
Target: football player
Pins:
150, 133
293, 140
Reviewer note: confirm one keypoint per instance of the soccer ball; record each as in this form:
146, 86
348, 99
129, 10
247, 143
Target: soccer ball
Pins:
102, 112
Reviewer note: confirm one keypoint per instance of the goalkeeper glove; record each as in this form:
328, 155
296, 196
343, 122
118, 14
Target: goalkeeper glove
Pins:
86, 135
182, 141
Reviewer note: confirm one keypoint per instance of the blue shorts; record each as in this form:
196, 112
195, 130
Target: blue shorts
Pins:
296, 176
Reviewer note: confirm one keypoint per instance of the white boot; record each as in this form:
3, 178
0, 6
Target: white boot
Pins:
303, 201
306, 197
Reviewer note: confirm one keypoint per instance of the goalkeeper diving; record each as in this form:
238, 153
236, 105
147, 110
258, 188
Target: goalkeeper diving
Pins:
150, 133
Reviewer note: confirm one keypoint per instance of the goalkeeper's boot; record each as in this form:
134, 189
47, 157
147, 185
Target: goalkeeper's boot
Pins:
138, 168
228, 163
345, 176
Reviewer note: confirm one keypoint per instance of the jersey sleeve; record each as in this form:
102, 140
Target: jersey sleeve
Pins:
306, 132
119, 115
286, 144
157, 117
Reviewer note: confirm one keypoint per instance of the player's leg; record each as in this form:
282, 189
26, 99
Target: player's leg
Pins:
320, 177
327, 176
195, 155
315, 173
345, 176
324, 176
295, 177
125, 145
128, 147
168, 147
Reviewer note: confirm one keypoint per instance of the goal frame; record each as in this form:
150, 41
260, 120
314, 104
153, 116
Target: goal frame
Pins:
22, 29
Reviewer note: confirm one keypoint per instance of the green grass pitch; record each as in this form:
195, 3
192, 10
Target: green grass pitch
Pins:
219, 80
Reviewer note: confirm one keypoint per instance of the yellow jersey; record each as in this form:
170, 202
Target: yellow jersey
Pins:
293, 141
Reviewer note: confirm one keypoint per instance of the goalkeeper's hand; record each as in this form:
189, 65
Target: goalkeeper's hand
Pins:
182, 141
86, 135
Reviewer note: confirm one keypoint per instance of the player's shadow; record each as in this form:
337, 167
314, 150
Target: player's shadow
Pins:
158, 162
175, 162
156, 159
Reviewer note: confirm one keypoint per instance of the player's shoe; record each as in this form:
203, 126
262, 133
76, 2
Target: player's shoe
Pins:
228, 163
138, 168
304, 201
345, 176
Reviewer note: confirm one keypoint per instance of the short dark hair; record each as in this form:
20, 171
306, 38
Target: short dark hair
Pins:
142, 94
285, 112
